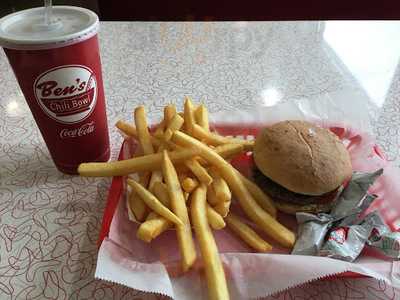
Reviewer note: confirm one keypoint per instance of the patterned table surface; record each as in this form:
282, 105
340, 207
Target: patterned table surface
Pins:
49, 222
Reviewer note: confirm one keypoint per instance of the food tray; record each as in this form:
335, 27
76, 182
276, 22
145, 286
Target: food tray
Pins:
245, 163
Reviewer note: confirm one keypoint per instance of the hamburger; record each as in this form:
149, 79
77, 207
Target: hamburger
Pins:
301, 166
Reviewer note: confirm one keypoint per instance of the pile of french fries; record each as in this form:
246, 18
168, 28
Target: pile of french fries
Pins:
185, 180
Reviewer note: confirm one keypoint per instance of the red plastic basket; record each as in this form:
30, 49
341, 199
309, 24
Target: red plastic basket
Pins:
242, 162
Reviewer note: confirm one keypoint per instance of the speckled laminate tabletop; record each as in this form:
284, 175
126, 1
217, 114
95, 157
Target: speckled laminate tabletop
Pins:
49, 222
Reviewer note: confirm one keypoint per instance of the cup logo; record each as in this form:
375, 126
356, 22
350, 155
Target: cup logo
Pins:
67, 93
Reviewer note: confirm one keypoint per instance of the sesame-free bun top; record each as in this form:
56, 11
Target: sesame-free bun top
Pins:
302, 157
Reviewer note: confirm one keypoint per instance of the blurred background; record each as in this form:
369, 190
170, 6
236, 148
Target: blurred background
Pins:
215, 10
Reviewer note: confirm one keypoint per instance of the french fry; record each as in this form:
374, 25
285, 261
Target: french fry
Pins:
155, 224
152, 215
199, 171
216, 140
188, 115
262, 199
159, 133
169, 113
189, 184
222, 208
167, 135
143, 134
211, 196
160, 129
201, 117
214, 219
161, 192
156, 176
137, 164
247, 234
178, 205
144, 178
152, 227
152, 202
186, 196
130, 130
181, 175
220, 186
175, 124
144, 138
138, 207
259, 216
216, 282
225, 152
229, 150
126, 128
247, 145
136, 204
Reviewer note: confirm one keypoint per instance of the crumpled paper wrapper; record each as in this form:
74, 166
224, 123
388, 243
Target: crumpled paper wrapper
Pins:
154, 267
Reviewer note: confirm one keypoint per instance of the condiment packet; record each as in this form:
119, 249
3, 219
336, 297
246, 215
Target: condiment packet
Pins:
382, 238
346, 242
354, 192
348, 238
354, 215
388, 244
311, 232
352, 201
341, 234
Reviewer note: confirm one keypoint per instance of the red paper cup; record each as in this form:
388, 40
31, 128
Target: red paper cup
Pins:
59, 71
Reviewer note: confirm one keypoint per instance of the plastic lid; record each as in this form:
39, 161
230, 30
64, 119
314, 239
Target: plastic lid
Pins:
25, 30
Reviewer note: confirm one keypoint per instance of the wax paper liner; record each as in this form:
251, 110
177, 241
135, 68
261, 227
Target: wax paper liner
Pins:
152, 267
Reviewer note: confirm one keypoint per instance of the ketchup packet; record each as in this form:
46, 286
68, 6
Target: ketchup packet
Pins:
346, 242
354, 193
353, 200
382, 238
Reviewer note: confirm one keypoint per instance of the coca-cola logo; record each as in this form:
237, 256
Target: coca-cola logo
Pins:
75, 132
67, 93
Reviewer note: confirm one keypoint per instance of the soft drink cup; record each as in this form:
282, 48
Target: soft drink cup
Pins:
58, 69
